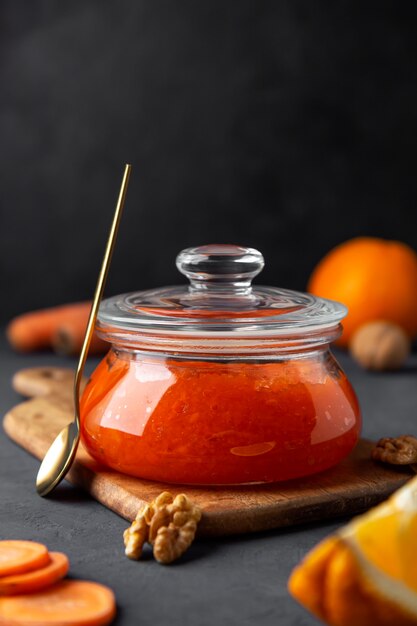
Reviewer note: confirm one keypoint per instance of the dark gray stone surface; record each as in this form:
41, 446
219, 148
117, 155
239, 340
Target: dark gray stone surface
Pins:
235, 581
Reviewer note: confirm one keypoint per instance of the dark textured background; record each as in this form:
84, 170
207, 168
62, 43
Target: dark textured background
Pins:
289, 126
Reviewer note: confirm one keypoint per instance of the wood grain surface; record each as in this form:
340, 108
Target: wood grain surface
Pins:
353, 486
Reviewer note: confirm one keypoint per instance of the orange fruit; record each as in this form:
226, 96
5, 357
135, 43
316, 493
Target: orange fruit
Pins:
366, 574
375, 278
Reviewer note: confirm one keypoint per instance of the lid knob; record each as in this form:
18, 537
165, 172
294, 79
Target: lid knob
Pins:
220, 267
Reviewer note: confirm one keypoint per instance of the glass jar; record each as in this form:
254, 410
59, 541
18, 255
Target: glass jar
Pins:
220, 382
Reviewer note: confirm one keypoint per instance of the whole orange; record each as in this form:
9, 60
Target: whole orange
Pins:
375, 278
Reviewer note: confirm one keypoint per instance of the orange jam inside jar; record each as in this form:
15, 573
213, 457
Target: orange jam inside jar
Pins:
221, 382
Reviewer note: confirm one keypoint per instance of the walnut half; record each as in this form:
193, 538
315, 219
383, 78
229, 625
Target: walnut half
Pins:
396, 450
169, 524
137, 534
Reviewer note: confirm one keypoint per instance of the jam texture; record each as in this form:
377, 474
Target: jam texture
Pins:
214, 423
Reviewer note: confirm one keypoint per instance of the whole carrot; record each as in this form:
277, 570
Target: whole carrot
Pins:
36, 330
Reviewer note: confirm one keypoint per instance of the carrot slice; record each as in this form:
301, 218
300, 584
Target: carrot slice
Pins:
37, 579
67, 603
18, 557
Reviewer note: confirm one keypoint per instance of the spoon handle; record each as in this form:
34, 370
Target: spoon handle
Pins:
99, 290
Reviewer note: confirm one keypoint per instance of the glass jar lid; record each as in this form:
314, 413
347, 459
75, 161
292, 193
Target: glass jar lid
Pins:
219, 301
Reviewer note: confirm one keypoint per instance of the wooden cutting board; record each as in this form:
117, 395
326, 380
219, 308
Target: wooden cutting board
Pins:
353, 486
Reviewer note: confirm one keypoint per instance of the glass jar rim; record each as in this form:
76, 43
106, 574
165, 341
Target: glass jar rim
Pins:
219, 305
219, 347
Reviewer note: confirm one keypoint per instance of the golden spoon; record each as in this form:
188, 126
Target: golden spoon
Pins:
58, 459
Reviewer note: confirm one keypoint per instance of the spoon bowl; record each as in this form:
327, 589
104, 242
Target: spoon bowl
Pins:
58, 459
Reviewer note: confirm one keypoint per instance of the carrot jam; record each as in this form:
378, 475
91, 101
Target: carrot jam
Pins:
213, 423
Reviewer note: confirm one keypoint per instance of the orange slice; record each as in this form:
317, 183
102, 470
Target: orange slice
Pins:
67, 603
366, 574
18, 557
36, 579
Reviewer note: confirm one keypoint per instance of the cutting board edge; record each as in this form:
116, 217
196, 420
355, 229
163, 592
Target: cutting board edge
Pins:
352, 487
218, 523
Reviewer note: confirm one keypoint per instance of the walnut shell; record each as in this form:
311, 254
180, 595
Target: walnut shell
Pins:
380, 345
396, 450
167, 523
